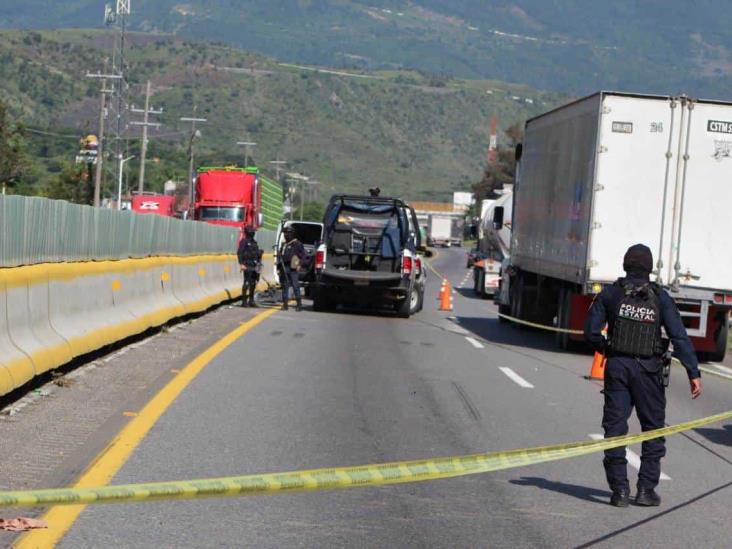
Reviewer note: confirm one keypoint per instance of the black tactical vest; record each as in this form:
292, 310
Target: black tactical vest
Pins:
637, 327
250, 253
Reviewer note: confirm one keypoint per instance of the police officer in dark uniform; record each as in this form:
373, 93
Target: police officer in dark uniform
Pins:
250, 260
291, 257
634, 310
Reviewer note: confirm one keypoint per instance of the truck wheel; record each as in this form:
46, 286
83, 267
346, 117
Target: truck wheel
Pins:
720, 342
403, 308
481, 284
564, 315
504, 310
415, 301
517, 297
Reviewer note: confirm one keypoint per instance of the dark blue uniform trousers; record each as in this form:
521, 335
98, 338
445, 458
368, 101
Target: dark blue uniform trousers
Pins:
628, 385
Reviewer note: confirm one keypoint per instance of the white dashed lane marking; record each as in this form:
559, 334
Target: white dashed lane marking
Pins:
475, 343
517, 379
634, 459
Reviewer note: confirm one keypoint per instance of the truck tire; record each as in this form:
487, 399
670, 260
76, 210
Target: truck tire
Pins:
481, 284
564, 317
517, 297
720, 341
504, 310
416, 299
403, 309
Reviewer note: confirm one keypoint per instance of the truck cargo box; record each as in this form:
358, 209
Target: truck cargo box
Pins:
606, 172
612, 170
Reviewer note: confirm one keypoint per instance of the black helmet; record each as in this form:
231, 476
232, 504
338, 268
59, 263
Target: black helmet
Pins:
250, 231
289, 230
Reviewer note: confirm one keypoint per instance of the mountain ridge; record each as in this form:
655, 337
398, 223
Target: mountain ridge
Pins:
573, 46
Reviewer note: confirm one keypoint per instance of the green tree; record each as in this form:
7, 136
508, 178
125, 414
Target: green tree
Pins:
501, 172
71, 184
312, 211
13, 158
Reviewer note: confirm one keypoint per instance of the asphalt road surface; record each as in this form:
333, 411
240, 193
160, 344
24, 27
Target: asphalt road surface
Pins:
307, 390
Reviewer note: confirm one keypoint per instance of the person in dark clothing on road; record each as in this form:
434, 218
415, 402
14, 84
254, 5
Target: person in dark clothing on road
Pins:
250, 261
291, 257
634, 310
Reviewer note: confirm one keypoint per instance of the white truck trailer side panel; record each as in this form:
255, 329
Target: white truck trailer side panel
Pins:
705, 220
635, 135
552, 213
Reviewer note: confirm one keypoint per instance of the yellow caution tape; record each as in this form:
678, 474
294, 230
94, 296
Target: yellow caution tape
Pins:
541, 326
337, 478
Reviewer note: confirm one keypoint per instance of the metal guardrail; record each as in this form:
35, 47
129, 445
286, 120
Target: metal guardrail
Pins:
38, 230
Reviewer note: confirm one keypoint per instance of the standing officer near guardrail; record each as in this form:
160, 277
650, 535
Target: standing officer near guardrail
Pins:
291, 258
250, 261
636, 374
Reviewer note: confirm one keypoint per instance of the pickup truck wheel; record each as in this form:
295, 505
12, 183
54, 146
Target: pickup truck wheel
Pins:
415, 301
404, 306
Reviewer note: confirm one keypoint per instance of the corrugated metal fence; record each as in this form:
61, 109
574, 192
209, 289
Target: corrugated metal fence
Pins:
37, 230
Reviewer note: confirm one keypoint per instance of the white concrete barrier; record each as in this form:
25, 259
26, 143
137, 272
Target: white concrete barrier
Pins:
51, 313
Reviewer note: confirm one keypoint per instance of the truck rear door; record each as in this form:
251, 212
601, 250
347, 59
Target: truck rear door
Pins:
704, 216
633, 168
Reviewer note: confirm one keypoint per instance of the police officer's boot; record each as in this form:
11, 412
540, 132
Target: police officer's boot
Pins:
647, 497
244, 296
251, 302
620, 497
299, 305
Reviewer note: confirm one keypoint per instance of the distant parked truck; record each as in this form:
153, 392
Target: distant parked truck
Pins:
439, 230
228, 196
151, 203
494, 244
609, 171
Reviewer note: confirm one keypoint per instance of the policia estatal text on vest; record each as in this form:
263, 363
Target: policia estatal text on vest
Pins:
634, 310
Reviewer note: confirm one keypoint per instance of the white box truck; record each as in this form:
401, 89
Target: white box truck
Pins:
439, 230
611, 170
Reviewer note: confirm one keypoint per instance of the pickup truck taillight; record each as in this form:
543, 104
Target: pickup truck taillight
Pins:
418, 266
320, 258
407, 263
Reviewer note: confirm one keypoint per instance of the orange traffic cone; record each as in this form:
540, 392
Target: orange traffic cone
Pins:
446, 296
598, 367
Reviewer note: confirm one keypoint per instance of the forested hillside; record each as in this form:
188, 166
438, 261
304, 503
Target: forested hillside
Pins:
413, 134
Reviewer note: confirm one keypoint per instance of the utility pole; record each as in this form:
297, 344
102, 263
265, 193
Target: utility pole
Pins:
278, 167
278, 164
145, 125
99, 168
246, 145
194, 133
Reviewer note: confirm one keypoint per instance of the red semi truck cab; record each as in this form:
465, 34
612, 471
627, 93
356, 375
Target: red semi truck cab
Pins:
151, 203
228, 196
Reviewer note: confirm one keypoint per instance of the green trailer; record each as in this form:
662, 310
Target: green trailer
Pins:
272, 203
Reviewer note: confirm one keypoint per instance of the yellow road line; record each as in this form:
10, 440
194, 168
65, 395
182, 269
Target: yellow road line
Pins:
106, 465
